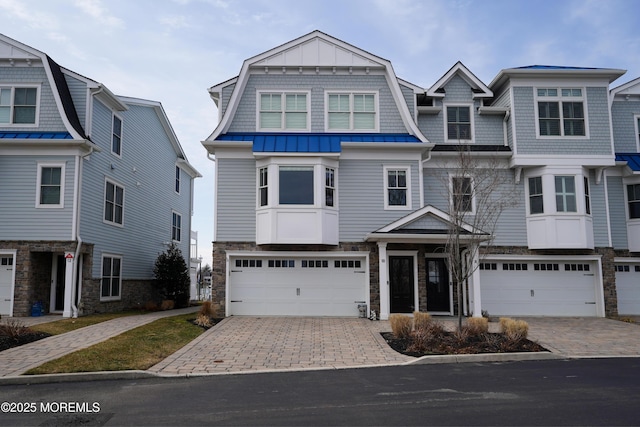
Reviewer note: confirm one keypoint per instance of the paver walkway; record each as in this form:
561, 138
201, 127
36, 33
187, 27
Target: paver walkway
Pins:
18, 360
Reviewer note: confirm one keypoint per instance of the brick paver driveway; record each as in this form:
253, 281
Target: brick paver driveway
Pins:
283, 343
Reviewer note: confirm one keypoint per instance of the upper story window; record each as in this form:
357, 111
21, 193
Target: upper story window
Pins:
176, 227
633, 200
352, 111
565, 194
296, 185
637, 123
116, 136
263, 186
177, 183
459, 123
329, 186
561, 112
462, 194
18, 105
113, 203
397, 188
536, 203
50, 191
587, 197
283, 111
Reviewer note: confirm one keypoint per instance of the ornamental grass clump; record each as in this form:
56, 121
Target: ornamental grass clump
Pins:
421, 320
477, 325
514, 330
401, 325
427, 337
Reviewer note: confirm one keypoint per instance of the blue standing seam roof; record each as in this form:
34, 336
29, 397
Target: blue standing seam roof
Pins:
35, 135
311, 142
632, 159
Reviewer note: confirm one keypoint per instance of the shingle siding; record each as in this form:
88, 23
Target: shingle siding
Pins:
244, 119
624, 116
78, 92
617, 212
236, 200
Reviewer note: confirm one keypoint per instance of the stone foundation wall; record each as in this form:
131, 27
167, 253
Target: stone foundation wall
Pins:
134, 295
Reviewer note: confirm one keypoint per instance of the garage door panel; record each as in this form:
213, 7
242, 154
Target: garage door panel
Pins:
558, 290
327, 289
628, 288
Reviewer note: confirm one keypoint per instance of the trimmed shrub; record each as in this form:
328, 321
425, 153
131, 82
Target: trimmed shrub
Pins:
401, 325
478, 325
421, 320
172, 276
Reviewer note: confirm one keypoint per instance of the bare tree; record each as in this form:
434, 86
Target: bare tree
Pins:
479, 189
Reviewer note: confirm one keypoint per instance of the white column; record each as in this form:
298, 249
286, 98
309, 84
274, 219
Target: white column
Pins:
69, 266
475, 276
384, 280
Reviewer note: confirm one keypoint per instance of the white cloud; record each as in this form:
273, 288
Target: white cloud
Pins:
34, 18
95, 9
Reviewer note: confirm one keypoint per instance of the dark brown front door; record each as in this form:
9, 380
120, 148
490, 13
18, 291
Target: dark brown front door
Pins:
401, 284
437, 285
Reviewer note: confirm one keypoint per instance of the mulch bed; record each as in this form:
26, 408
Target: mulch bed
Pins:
449, 344
212, 320
7, 342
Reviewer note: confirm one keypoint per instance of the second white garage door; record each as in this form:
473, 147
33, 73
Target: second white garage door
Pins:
293, 286
539, 288
628, 288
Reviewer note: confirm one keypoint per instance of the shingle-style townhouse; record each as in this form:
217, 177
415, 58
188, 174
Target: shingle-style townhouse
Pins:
93, 186
329, 192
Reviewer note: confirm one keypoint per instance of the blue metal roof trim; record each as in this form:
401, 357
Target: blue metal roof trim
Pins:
554, 67
35, 135
632, 159
311, 142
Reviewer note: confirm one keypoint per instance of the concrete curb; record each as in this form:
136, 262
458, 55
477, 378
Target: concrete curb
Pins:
484, 357
136, 375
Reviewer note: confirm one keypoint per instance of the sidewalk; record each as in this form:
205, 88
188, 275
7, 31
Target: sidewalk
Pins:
17, 360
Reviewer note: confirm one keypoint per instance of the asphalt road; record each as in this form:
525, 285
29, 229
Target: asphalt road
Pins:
557, 392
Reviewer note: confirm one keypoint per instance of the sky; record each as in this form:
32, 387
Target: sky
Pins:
172, 51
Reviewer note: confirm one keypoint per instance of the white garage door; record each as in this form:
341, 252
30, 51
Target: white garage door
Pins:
628, 288
538, 288
310, 286
6, 284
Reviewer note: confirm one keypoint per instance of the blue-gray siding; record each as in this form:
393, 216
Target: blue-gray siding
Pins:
147, 173
624, 115
236, 200
244, 119
598, 211
78, 90
598, 143
20, 219
617, 212
49, 116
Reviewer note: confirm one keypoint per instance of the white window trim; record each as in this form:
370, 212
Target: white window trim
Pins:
104, 199
112, 256
13, 86
577, 194
272, 164
376, 102
636, 119
121, 135
548, 175
176, 213
625, 182
335, 187
283, 93
385, 179
473, 195
528, 195
559, 98
177, 179
39, 185
472, 140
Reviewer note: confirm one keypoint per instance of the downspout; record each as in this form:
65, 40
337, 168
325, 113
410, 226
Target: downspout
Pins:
77, 189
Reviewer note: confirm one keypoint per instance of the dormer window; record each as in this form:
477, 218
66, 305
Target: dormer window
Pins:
283, 111
18, 105
561, 112
459, 123
351, 112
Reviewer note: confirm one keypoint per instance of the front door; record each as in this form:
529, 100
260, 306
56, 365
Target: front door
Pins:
401, 284
59, 284
438, 297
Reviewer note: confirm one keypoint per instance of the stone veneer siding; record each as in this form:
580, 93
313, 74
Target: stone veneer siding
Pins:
33, 265
220, 249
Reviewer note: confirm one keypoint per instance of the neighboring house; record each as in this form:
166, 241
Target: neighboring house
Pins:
94, 187
331, 176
